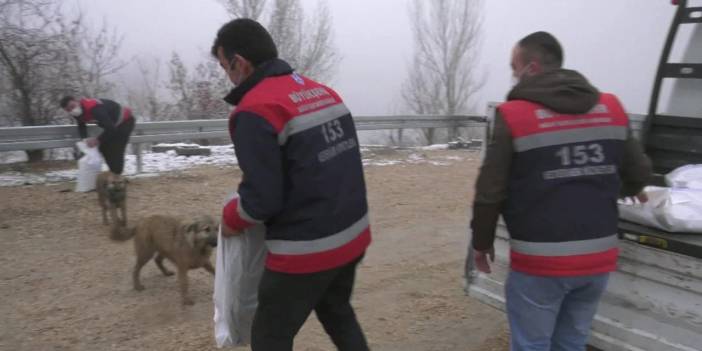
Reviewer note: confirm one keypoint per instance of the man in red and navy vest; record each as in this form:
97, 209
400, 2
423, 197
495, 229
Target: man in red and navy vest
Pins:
560, 157
296, 145
116, 121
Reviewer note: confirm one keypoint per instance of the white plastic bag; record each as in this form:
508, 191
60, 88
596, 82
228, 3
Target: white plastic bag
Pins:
670, 209
689, 176
89, 166
238, 271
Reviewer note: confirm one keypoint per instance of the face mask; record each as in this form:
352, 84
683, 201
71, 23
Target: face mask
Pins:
232, 66
76, 111
515, 81
236, 81
516, 78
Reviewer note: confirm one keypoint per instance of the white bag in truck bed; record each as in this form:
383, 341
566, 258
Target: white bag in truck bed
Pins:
674, 210
689, 176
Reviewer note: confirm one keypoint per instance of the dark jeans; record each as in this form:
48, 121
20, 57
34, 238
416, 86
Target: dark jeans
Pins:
113, 148
286, 300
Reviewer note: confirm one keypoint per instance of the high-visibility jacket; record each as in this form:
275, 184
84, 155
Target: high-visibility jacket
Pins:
561, 207
296, 144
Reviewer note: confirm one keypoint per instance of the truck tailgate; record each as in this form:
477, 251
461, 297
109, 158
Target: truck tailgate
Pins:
689, 244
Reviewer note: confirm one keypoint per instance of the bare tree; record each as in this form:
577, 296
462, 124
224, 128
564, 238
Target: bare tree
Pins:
443, 76
97, 56
180, 87
34, 57
6, 117
307, 44
199, 95
286, 27
244, 8
210, 86
144, 95
38, 55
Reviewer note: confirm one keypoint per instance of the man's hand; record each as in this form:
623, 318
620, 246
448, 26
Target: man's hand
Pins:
481, 260
228, 232
92, 142
642, 197
77, 154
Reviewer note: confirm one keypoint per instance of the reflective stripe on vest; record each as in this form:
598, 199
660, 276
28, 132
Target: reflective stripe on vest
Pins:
567, 248
287, 247
310, 120
580, 135
321, 254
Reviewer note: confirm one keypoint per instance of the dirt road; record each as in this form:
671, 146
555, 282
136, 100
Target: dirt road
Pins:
65, 286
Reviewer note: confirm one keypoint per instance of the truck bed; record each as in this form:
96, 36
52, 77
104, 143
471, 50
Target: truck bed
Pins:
689, 244
653, 301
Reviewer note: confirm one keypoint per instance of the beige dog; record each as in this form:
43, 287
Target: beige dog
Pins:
188, 244
112, 195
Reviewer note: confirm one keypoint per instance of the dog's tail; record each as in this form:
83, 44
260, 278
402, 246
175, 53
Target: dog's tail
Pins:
121, 233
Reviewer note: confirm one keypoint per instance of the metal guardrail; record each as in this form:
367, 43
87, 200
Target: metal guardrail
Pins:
50, 137
417, 122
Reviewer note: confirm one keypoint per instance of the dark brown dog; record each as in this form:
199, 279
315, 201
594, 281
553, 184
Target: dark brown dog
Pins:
188, 244
112, 195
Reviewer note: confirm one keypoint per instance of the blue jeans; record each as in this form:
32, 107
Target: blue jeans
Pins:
552, 313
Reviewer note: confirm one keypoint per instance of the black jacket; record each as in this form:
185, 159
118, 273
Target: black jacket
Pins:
107, 114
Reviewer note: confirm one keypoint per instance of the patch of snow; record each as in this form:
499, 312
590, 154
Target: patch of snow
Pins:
17, 178
65, 153
61, 176
381, 163
377, 146
434, 147
152, 164
143, 175
415, 158
177, 145
222, 156
452, 158
13, 156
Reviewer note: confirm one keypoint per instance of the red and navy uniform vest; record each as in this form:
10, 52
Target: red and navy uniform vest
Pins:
296, 144
114, 111
561, 208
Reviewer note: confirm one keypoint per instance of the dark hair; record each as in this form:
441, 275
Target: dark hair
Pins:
543, 48
65, 100
247, 38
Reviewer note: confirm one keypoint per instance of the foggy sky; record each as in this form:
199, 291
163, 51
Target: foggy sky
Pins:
616, 44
